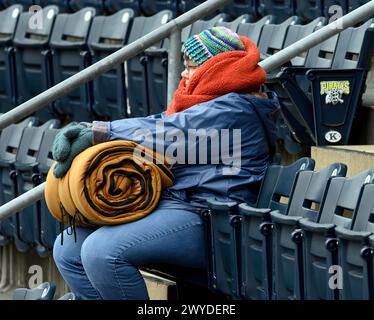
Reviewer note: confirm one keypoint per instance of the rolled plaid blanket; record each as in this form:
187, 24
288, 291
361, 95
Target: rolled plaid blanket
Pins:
109, 183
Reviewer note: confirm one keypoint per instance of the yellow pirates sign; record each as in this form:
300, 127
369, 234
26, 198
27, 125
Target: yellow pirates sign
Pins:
334, 91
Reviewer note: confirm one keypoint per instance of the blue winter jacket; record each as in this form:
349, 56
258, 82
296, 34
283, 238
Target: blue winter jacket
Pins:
217, 161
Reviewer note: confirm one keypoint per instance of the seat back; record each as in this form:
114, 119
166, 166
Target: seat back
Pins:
320, 249
355, 252
363, 219
343, 196
27, 221
310, 191
71, 55
8, 23
253, 30
273, 37
321, 56
49, 226
278, 184
309, 10
107, 35
353, 49
9, 144
136, 68
281, 9
34, 57
297, 32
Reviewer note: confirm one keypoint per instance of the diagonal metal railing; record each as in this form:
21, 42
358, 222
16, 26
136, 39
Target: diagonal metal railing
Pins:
133, 49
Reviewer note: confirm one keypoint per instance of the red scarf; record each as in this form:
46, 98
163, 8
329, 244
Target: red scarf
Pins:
233, 71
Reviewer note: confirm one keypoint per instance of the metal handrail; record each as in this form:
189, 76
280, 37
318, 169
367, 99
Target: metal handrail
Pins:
269, 64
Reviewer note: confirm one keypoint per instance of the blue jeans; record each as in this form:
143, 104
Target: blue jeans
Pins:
103, 263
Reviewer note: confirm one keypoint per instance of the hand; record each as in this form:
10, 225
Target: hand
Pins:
64, 139
69, 142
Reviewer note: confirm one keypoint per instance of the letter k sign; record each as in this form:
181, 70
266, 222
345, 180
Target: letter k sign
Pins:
333, 136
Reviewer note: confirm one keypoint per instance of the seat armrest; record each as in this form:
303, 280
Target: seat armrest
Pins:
246, 210
308, 225
219, 205
351, 235
277, 217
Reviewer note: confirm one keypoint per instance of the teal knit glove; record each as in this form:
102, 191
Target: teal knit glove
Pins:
69, 142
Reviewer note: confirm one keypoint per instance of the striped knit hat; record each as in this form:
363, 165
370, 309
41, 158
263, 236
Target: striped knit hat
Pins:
207, 44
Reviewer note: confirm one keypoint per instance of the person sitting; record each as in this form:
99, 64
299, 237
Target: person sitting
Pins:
219, 131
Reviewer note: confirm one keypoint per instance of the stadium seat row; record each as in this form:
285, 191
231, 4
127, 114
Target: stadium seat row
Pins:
25, 159
281, 9
310, 236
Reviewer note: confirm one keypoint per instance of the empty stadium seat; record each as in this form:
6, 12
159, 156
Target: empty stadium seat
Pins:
281, 9
112, 6
355, 252
8, 23
34, 57
308, 10
248, 257
110, 88
70, 54
273, 37
136, 68
319, 239
49, 226
27, 222
309, 194
253, 30
297, 32
323, 115
9, 144
45, 291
